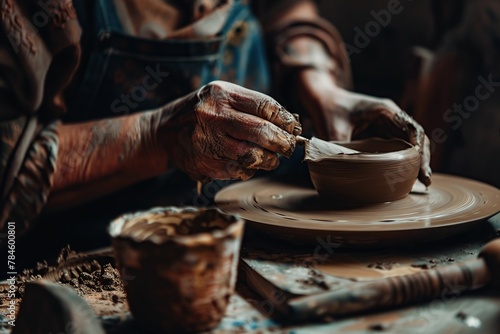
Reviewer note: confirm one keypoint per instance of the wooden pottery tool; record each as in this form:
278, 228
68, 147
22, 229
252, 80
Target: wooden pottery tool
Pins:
358, 297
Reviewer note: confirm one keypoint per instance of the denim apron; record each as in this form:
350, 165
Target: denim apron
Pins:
127, 74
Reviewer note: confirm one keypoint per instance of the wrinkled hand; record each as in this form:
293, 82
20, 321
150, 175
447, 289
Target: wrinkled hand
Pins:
224, 131
383, 118
338, 114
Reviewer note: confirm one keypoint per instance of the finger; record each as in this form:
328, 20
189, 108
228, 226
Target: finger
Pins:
297, 131
237, 172
341, 129
263, 106
227, 170
389, 123
417, 137
260, 132
248, 155
377, 121
220, 158
224, 148
425, 172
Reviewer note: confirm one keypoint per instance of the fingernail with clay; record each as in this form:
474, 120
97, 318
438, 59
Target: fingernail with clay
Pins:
427, 178
297, 130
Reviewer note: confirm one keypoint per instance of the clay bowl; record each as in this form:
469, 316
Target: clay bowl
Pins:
384, 171
178, 266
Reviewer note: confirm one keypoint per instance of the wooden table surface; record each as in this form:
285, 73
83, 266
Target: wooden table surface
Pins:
316, 268
298, 270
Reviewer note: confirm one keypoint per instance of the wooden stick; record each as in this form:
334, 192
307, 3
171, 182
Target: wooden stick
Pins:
396, 291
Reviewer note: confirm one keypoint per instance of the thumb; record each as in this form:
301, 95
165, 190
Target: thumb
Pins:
340, 129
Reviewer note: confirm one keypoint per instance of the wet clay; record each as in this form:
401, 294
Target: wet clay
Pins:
296, 212
158, 227
85, 273
184, 266
90, 275
366, 171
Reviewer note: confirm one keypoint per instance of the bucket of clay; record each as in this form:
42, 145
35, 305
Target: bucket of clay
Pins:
178, 265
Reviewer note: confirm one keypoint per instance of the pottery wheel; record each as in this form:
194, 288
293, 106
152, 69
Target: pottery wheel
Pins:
296, 212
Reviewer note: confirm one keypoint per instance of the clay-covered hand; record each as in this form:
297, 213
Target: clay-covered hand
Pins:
339, 114
224, 131
383, 118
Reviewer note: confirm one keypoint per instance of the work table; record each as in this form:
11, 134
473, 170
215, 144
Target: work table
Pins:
310, 269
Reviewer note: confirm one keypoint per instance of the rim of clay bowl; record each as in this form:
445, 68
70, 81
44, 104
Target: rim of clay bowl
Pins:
403, 154
116, 226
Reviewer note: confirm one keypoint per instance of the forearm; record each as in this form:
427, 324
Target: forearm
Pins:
326, 88
274, 13
99, 157
322, 89
309, 50
298, 39
303, 47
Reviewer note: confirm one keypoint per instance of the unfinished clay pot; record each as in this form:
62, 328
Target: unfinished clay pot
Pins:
178, 265
380, 171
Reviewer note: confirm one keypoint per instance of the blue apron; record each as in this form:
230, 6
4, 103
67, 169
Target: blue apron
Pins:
127, 74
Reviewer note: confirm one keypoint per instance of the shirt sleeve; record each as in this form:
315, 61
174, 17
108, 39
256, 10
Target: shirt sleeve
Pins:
283, 62
39, 53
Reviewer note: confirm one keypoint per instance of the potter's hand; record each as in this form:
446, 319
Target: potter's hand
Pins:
338, 114
224, 131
